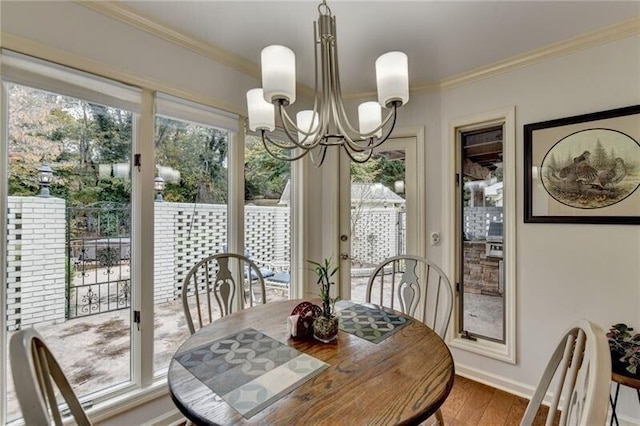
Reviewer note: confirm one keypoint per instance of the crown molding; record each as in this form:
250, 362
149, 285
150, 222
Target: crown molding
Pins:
595, 38
615, 32
31, 48
133, 18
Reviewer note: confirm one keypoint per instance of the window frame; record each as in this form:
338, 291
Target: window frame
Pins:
503, 351
144, 385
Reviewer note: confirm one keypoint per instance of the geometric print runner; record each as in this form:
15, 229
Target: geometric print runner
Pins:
250, 370
369, 323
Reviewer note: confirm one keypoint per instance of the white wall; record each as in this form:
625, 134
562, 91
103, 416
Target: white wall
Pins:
564, 271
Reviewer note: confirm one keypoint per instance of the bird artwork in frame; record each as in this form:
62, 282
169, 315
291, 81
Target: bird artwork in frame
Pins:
584, 169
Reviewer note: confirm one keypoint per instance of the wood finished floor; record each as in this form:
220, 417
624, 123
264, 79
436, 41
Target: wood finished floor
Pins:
471, 403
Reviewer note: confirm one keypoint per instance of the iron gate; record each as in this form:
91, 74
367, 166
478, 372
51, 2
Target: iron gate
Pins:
98, 258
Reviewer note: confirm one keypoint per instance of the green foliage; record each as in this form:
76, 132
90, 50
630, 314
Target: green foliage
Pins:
265, 176
378, 169
324, 271
625, 346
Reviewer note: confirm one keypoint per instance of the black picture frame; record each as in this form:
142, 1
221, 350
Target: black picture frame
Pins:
569, 189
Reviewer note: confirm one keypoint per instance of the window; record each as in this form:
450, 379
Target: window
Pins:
80, 263
68, 222
267, 222
190, 211
485, 234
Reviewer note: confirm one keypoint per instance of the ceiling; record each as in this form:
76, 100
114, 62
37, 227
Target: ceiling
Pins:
442, 38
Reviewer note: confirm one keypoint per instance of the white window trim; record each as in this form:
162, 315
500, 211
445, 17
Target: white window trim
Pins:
4, 137
142, 386
501, 351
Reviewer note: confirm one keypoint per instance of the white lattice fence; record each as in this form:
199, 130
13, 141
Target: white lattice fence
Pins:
375, 235
184, 234
477, 219
35, 261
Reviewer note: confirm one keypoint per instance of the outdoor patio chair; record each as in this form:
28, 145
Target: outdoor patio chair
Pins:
212, 275
583, 378
33, 366
414, 286
274, 273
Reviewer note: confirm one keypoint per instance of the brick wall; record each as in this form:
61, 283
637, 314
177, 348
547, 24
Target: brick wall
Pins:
481, 273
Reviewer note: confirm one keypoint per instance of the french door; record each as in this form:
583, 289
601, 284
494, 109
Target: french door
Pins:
380, 207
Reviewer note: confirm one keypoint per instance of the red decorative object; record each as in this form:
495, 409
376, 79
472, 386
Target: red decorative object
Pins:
306, 312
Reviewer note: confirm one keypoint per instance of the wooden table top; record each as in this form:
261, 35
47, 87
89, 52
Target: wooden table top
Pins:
400, 380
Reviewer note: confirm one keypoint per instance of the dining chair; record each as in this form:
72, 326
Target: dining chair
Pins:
33, 366
213, 275
414, 286
581, 364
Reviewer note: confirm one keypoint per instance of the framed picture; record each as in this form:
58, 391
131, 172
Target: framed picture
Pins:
584, 169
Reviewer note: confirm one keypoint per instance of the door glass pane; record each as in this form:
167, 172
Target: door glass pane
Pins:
267, 226
190, 219
482, 246
68, 251
378, 215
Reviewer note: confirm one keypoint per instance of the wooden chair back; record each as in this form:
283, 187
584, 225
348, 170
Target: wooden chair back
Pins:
581, 364
414, 286
213, 277
33, 367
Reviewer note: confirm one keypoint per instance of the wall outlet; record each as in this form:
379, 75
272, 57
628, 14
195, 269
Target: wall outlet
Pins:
435, 238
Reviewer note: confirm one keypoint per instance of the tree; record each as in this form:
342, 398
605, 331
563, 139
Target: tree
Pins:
599, 156
265, 176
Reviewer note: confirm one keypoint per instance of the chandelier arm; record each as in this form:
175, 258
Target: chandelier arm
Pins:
326, 90
341, 114
323, 153
286, 122
339, 110
355, 159
393, 113
358, 147
278, 156
282, 145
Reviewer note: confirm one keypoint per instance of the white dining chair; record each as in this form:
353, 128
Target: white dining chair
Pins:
213, 276
33, 367
581, 364
414, 286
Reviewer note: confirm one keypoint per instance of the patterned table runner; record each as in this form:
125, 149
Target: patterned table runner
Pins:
370, 323
250, 370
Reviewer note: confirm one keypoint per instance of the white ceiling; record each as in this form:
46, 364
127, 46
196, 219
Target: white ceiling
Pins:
442, 38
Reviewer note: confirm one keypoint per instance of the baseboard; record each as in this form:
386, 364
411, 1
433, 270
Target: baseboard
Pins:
520, 389
498, 382
172, 418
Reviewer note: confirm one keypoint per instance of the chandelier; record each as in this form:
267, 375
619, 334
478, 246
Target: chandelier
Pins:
327, 124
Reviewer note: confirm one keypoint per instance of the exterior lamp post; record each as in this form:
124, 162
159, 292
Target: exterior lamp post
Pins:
45, 177
158, 185
398, 187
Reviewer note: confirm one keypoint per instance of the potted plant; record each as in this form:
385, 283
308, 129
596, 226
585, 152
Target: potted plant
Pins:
325, 326
625, 350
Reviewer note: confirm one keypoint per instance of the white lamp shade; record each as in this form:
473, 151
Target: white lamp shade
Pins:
303, 121
278, 73
392, 75
370, 117
261, 112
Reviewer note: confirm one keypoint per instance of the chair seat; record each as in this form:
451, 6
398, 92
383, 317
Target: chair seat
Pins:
280, 277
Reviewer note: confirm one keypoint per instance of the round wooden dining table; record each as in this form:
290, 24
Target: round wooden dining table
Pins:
402, 379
